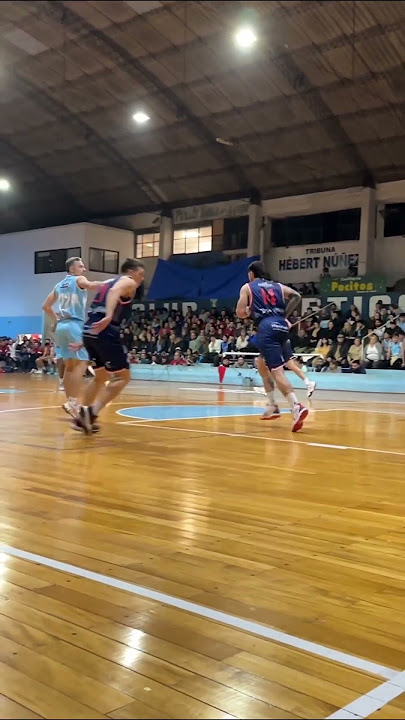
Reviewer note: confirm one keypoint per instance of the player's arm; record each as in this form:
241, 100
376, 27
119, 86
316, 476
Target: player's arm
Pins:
48, 306
85, 284
125, 287
293, 299
242, 307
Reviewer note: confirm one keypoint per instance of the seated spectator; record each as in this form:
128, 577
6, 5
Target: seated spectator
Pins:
373, 353
355, 351
360, 331
395, 354
178, 359
348, 329
339, 350
357, 368
378, 329
242, 340
194, 343
322, 350
302, 344
314, 335
44, 359
334, 367
401, 321
214, 347
144, 360
332, 332
241, 363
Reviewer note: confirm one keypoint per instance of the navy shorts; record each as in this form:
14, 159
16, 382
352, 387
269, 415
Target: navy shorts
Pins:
105, 350
273, 342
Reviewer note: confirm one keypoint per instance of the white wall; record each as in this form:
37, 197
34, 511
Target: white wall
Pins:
390, 258
22, 292
107, 238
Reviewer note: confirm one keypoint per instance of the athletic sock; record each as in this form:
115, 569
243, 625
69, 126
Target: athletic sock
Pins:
270, 396
292, 399
307, 382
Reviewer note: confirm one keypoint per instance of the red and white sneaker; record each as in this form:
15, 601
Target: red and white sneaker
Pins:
272, 412
299, 414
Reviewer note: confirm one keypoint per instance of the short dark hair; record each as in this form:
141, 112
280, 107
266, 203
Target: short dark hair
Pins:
70, 261
258, 269
131, 264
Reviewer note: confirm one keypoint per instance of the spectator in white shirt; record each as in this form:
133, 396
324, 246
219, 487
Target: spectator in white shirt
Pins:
373, 353
242, 341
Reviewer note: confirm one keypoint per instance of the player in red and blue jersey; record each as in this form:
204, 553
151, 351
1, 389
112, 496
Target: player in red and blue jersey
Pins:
269, 304
101, 338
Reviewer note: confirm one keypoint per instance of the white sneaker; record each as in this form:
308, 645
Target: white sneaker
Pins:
310, 388
71, 409
299, 414
61, 385
272, 412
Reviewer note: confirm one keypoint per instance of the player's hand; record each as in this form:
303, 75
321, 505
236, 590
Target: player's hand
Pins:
75, 346
99, 326
288, 324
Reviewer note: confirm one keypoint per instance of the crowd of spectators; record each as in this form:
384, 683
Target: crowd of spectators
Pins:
333, 340
27, 354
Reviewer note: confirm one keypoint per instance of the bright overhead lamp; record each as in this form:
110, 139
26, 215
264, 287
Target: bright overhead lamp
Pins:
140, 117
4, 185
245, 37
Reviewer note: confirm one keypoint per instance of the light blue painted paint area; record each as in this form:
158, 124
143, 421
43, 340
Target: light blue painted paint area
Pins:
189, 412
378, 381
10, 391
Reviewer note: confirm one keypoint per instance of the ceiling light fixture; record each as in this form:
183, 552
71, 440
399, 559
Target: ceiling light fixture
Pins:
245, 37
4, 185
140, 117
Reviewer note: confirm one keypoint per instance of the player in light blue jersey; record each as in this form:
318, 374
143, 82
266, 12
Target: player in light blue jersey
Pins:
69, 298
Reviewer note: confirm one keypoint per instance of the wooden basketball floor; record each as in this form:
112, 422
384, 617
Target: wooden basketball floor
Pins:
191, 563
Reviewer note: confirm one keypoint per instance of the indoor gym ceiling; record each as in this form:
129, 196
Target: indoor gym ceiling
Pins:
316, 104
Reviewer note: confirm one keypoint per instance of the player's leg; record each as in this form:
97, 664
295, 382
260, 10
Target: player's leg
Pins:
115, 369
272, 411
117, 382
311, 386
75, 361
277, 352
60, 364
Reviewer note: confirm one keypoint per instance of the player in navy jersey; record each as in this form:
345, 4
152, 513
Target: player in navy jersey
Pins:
269, 304
101, 338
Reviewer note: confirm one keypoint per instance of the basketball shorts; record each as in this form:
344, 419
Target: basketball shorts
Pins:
105, 350
69, 331
273, 343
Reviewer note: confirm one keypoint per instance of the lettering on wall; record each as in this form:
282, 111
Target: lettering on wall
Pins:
306, 263
213, 211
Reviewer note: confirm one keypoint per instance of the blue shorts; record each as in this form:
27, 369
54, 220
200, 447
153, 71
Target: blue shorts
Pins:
70, 331
273, 342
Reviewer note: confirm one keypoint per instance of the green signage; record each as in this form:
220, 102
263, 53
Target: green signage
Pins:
364, 284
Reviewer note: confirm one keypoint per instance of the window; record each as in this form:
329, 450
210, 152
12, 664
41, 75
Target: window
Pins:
51, 261
147, 245
105, 261
192, 240
394, 220
329, 228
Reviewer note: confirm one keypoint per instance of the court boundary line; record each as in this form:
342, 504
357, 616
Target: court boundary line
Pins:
267, 438
248, 626
372, 701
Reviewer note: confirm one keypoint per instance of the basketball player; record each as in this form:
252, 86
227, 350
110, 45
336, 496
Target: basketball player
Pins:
265, 301
101, 337
70, 296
